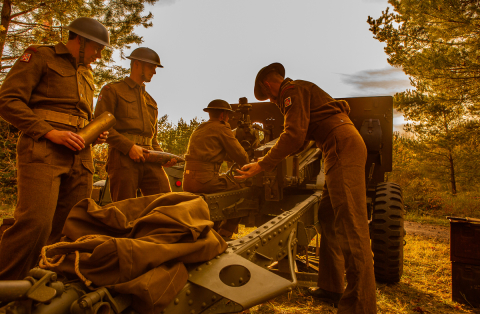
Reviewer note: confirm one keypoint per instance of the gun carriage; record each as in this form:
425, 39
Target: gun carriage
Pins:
283, 204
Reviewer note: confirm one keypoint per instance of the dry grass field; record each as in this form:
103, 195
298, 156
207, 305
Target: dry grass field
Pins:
425, 287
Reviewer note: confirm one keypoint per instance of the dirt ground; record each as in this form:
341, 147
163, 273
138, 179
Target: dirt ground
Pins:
426, 230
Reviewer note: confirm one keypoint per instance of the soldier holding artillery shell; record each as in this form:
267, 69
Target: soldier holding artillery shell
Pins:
48, 96
135, 131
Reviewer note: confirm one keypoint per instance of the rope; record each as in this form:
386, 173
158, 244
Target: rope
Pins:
55, 261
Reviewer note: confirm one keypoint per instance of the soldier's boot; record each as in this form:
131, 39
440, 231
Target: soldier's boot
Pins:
326, 296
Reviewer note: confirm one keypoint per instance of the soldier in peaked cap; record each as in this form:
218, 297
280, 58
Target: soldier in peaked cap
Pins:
312, 114
211, 143
48, 96
135, 130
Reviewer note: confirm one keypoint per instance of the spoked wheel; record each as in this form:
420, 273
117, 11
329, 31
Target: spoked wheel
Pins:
387, 232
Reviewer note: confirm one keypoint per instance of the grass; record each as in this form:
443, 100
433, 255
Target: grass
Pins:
424, 288
6, 211
425, 219
434, 207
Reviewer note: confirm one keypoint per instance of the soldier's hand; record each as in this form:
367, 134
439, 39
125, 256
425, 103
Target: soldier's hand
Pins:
102, 138
248, 171
172, 162
136, 153
66, 138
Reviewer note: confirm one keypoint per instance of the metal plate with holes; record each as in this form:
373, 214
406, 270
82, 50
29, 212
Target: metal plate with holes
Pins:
208, 275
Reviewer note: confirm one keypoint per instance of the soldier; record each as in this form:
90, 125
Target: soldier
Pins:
135, 131
311, 114
211, 143
48, 96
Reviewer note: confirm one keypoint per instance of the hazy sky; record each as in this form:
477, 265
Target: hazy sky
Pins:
214, 48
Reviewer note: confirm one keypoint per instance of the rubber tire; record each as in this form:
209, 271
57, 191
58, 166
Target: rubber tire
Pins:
387, 232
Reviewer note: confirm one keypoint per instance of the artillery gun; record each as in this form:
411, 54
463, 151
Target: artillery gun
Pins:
282, 204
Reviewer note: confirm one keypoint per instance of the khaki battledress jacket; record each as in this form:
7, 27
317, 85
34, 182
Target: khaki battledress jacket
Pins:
136, 114
211, 143
44, 90
311, 114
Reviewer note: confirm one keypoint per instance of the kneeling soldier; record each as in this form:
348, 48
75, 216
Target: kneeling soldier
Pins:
211, 143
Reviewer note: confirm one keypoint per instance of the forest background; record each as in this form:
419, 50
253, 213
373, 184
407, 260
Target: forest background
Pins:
436, 43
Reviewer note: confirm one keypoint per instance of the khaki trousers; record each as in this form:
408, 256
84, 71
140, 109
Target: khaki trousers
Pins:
345, 240
126, 176
51, 179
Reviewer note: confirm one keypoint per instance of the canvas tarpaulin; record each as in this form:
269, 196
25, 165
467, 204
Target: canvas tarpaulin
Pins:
138, 246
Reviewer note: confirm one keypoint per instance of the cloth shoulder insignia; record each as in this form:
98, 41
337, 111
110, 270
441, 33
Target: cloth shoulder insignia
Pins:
106, 87
26, 57
287, 102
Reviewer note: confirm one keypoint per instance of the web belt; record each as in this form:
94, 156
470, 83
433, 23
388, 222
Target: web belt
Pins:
60, 117
138, 139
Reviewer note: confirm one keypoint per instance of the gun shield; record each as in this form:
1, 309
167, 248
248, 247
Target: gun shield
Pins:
99, 125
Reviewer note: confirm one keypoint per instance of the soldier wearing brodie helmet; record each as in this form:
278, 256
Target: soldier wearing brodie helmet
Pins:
312, 114
135, 130
211, 143
48, 96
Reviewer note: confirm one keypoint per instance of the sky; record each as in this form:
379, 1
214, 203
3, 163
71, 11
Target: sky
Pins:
213, 49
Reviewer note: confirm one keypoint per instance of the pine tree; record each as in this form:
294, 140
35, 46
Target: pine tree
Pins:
436, 43
174, 138
27, 22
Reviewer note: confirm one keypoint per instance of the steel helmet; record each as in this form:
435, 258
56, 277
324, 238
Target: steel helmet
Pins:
146, 55
218, 104
274, 67
90, 29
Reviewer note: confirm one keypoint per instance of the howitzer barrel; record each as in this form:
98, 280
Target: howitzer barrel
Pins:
14, 289
161, 157
99, 125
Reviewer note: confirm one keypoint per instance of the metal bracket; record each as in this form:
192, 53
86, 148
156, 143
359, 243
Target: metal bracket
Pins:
40, 292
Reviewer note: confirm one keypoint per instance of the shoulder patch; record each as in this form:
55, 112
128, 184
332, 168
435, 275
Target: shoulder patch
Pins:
99, 97
287, 102
26, 57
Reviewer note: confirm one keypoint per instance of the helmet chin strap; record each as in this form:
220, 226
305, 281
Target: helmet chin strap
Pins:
144, 78
81, 52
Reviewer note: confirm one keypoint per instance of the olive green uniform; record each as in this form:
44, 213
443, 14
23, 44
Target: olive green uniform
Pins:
311, 114
211, 143
44, 90
136, 114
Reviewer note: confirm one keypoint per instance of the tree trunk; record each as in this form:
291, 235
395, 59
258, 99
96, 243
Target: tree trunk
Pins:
452, 173
6, 12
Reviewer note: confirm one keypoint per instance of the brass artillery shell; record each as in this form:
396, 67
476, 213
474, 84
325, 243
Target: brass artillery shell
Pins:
99, 125
161, 157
